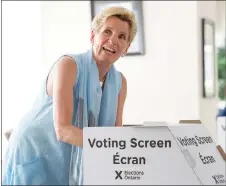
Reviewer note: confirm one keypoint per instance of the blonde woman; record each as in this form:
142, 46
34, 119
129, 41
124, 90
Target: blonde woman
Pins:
82, 90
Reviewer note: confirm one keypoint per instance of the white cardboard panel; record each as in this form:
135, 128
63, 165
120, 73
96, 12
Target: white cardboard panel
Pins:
200, 151
164, 166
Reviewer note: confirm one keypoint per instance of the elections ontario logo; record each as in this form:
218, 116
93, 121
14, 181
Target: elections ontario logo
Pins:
128, 175
219, 179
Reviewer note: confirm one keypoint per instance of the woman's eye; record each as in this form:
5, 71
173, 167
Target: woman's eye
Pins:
107, 31
122, 36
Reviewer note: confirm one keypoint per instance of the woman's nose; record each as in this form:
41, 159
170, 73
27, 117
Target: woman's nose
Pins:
112, 40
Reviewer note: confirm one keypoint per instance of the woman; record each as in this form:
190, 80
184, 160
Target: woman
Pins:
83, 90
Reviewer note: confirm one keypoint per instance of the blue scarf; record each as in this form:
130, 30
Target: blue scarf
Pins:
95, 108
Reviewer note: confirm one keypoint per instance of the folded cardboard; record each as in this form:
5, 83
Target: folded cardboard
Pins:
201, 152
154, 153
221, 136
134, 156
221, 133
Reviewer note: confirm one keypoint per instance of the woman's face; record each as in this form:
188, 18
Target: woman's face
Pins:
111, 41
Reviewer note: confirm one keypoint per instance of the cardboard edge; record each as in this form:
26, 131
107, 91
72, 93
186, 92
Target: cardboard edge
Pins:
190, 122
148, 124
219, 148
221, 151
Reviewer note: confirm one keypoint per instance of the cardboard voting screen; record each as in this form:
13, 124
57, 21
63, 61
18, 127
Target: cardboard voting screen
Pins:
221, 132
134, 156
200, 151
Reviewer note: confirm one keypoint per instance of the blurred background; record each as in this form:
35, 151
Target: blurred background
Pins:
164, 84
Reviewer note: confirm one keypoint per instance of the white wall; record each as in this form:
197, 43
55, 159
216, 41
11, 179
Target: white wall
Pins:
159, 83
164, 84
65, 28
221, 21
208, 107
21, 56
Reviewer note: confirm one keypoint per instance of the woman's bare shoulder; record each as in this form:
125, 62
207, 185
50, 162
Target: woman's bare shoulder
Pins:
63, 73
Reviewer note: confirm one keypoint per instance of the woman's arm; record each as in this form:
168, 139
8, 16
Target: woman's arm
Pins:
62, 80
121, 101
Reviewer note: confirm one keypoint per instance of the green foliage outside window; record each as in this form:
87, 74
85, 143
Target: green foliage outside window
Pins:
222, 72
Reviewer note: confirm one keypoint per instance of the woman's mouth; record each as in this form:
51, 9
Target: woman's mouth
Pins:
109, 50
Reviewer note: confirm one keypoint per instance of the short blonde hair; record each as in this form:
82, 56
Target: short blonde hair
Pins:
119, 12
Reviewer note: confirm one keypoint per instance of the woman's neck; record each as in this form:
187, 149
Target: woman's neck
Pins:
103, 69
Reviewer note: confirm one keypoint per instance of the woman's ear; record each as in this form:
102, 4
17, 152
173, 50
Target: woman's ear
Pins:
125, 52
92, 35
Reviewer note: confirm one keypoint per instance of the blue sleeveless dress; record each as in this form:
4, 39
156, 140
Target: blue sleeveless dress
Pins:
35, 156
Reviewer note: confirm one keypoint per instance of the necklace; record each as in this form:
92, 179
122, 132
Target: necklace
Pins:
102, 82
